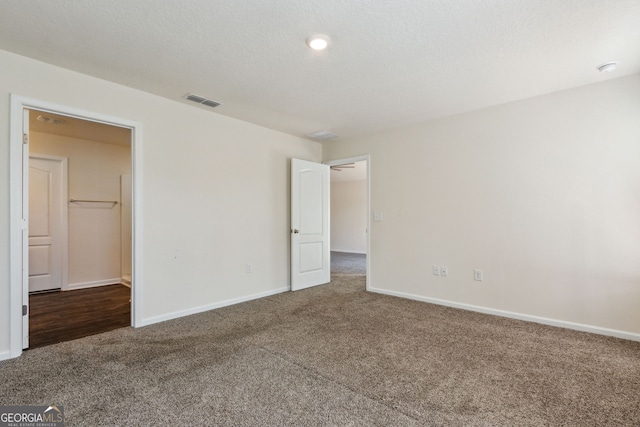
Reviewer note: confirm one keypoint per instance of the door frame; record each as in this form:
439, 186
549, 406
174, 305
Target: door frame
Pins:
18, 163
64, 232
366, 158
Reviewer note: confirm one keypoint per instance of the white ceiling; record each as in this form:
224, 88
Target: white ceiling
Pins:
390, 63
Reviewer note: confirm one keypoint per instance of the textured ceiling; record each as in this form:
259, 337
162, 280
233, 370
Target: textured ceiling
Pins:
390, 63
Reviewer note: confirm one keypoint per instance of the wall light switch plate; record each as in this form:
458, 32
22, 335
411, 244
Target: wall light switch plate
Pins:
436, 270
377, 216
444, 271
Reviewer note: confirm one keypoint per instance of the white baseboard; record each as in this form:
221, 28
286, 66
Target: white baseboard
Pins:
5, 355
348, 252
519, 316
82, 285
203, 308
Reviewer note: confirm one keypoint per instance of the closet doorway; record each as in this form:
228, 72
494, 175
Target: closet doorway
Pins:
79, 228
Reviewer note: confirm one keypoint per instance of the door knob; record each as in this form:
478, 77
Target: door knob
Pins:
295, 231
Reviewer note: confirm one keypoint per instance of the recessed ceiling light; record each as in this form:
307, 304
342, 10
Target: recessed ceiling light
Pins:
318, 42
607, 67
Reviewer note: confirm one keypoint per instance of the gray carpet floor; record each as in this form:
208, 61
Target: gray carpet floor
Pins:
334, 355
347, 263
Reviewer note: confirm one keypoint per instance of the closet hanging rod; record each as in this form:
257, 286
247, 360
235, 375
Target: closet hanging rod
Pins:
113, 202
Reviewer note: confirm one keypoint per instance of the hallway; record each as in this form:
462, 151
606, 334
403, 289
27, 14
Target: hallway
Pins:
348, 263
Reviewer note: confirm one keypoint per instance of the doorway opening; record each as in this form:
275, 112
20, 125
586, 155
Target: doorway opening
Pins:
350, 217
79, 227
75, 224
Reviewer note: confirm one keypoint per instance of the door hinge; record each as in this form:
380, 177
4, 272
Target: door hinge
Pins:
25, 138
24, 310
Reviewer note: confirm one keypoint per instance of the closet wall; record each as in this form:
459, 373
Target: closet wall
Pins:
95, 169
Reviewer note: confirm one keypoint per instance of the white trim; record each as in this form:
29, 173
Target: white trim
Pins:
18, 104
93, 284
126, 280
15, 229
5, 355
513, 315
344, 251
24, 258
137, 277
209, 307
366, 158
64, 238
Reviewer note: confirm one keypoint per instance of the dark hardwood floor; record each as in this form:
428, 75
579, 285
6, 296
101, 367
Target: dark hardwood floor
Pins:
62, 316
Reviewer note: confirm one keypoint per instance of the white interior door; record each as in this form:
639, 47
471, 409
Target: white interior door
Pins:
310, 248
46, 223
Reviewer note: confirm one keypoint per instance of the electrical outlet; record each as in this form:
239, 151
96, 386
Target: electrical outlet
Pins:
249, 268
478, 275
444, 271
436, 270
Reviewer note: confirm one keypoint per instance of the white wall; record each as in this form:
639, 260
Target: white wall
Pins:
542, 194
349, 216
94, 229
215, 191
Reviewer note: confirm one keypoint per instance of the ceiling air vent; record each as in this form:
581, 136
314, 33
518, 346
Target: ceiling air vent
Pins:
321, 135
202, 100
